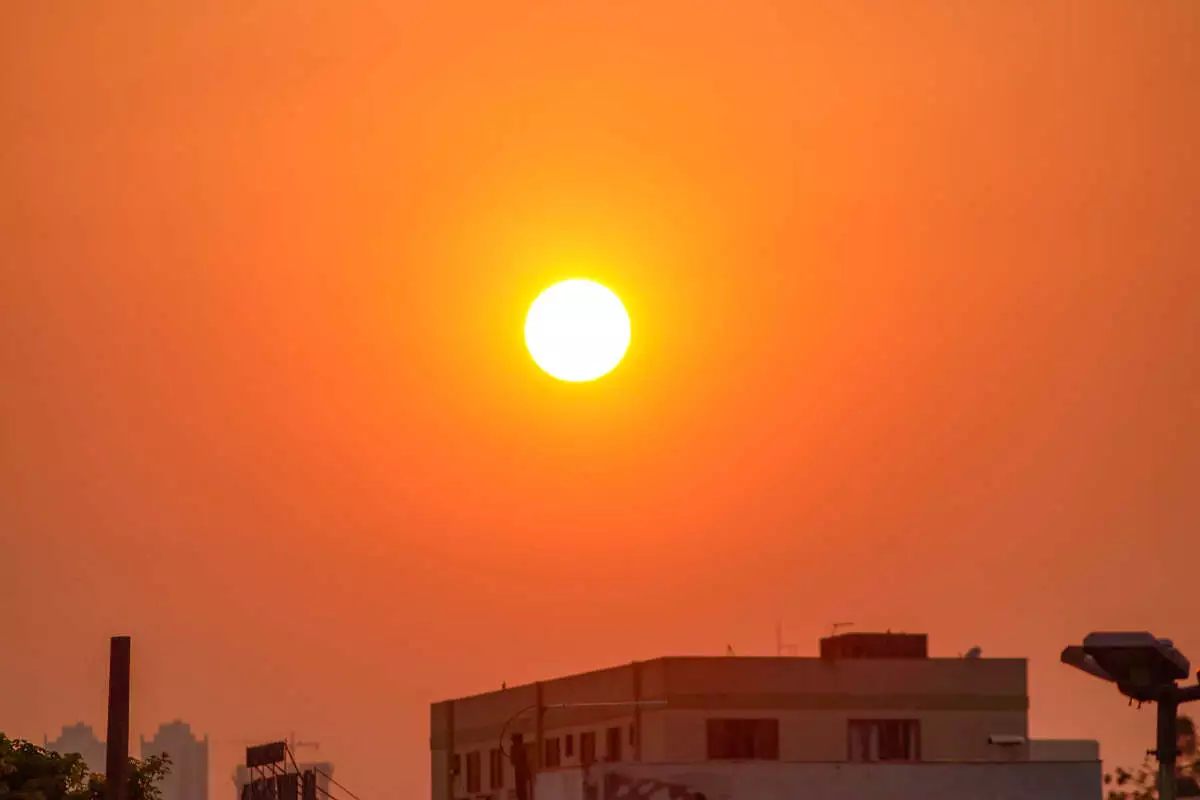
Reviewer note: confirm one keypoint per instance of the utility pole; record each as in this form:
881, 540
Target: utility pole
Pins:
117, 757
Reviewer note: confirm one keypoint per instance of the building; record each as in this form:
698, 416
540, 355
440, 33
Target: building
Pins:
1032, 780
323, 772
81, 739
872, 706
188, 778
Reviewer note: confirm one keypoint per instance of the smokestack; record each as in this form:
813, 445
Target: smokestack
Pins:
117, 764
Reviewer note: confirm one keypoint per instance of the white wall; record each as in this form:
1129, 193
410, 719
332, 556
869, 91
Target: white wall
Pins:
747, 781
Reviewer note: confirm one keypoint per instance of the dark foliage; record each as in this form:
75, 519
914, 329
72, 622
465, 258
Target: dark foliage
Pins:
30, 772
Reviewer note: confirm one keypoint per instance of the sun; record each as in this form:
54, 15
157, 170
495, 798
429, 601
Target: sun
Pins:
577, 330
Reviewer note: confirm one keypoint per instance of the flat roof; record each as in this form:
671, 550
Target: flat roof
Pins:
736, 662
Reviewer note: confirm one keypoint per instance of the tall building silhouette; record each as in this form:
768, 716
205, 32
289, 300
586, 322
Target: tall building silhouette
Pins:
188, 779
81, 739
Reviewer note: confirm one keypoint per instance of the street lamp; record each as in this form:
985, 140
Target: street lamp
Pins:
1144, 668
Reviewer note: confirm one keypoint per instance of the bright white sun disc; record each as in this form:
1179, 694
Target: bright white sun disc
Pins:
577, 330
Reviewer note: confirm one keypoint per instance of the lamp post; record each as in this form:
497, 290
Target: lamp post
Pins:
1147, 669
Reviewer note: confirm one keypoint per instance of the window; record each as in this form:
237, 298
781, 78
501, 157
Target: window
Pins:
455, 766
743, 739
612, 744
495, 769
553, 754
884, 740
569, 745
587, 747
473, 772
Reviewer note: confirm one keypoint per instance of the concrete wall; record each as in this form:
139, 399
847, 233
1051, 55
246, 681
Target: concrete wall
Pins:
680, 736
1064, 750
959, 703
759, 781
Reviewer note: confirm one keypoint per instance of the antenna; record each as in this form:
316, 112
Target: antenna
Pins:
782, 649
838, 626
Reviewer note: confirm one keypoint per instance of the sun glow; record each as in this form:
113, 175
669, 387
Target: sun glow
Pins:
577, 330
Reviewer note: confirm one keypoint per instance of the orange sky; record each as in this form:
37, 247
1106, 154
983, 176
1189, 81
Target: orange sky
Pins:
914, 289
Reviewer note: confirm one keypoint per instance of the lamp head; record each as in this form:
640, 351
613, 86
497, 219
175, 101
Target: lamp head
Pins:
1142, 665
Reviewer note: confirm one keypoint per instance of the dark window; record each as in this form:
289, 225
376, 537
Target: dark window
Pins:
495, 769
553, 753
743, 739
587, 747
884, 740
473, 771
569, 745
612, 744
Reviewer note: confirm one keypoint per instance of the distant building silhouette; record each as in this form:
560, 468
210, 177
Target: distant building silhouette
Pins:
81, 739
188, 779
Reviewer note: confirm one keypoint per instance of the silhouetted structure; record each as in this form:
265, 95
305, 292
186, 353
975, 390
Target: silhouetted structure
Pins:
117, 751
869, 699
188, 778
875, 645
322, 772
79, 738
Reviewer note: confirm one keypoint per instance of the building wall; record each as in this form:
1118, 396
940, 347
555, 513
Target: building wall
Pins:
822, 735
188, 778
959, 703
1074, 780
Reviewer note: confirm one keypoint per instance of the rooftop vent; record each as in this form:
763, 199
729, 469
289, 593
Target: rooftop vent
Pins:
875, 645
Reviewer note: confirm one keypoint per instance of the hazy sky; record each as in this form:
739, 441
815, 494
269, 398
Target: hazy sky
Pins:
915, 294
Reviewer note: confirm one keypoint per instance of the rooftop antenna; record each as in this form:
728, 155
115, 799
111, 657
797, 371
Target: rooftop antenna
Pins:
838, 626
782, 649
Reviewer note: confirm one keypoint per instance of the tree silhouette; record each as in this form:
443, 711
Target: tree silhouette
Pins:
30, 772
1141, 783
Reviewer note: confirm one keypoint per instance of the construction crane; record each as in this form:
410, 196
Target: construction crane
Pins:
293, 744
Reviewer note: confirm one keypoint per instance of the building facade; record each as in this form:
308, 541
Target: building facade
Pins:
978, 780
81, 739
188, 778
869, 699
